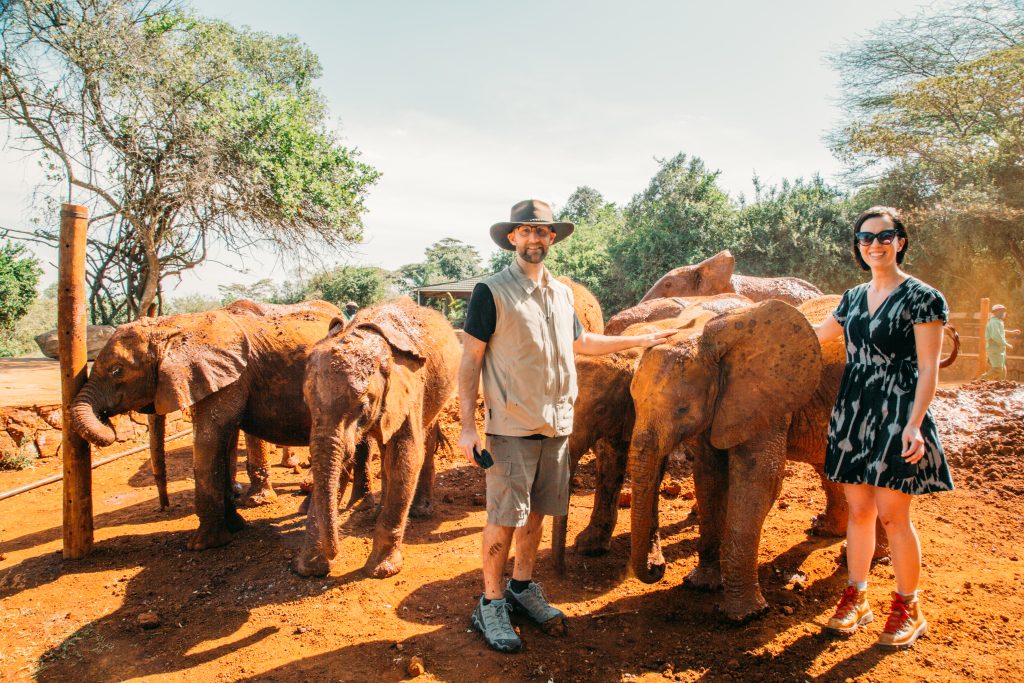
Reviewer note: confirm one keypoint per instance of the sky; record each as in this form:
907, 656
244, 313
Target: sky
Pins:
467, 107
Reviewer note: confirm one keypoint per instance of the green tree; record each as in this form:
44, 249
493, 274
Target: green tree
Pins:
453, 259
682, 217
585, 256
261, 290
19, 276
943, 137
366, 285
799, 228
177, 131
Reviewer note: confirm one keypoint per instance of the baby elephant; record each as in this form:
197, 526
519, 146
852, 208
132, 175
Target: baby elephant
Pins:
385, 376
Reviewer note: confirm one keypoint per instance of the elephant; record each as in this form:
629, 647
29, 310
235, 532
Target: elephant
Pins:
728, 392
603, 418
236, 368
385, 376
588, 309
715, 276
670, 307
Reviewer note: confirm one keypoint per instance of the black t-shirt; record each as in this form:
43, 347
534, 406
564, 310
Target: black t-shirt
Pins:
482, 316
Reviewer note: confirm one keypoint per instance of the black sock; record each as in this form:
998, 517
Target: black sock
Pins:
518, 586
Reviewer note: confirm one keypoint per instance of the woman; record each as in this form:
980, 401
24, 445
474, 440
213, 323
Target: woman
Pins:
882, 442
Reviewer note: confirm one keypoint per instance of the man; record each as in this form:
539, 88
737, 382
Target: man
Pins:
996, 344
350, 309
521, 332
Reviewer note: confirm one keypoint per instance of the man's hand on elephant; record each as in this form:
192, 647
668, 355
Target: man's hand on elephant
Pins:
468, 440
655, 338
913, 444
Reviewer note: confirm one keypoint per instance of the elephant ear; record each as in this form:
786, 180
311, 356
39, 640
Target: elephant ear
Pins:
714, 274
395, 323
402, 395
205, 354
769, 363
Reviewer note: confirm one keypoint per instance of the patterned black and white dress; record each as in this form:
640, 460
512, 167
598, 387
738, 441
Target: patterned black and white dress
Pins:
876, 396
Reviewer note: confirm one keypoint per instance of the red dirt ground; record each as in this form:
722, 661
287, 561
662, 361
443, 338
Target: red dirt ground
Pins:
239, 613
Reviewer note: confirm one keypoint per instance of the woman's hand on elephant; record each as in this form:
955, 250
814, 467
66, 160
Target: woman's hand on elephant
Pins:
913, 444
468, 440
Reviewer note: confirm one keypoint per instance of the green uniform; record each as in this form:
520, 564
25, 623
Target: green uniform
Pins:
995, 343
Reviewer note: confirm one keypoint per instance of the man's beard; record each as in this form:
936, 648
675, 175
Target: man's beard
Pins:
533, 253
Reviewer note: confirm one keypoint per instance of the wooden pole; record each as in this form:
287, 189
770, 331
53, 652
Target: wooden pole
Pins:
982, 337
71, 349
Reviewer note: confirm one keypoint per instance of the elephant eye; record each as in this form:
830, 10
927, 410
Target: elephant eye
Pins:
116, 371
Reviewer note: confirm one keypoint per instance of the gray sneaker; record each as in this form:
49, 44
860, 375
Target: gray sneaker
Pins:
533, 603
492, 621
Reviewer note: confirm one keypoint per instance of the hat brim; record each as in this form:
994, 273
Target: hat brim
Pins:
500, 231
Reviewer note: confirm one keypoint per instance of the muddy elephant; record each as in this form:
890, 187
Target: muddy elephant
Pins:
728, 392
588, 309
240, 368
670, 307
603, 414
715, 276
385, 376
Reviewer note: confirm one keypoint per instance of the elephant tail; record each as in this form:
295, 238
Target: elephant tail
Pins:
441, 441
955, 338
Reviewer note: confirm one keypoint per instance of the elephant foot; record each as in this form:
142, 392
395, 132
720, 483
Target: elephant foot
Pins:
311, 563
289, 459
381, 569
704, 578
366, 502
421, 510
824, 525
593, 541
209, 537
260, 496
233, 521
740, 611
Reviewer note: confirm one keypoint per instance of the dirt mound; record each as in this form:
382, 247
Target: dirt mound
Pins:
982, 431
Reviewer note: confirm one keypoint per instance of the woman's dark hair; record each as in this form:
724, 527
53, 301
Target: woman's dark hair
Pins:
897, 223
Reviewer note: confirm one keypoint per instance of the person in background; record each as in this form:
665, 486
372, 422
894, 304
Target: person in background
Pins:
996, 344
350, 309
883, 446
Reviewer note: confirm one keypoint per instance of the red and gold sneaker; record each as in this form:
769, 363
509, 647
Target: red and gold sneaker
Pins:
905, 624
851, 613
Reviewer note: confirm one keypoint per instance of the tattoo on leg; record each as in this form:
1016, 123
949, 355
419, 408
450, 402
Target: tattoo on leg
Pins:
494, 549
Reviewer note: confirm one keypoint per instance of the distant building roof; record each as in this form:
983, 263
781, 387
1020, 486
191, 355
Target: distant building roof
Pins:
459, 289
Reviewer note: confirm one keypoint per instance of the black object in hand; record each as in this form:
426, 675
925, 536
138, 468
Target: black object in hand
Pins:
483, 458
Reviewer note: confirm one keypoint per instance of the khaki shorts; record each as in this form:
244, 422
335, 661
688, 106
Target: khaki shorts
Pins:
528, 475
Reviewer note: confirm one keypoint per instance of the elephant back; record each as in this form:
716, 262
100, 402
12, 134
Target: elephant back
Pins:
588, 309
809, 429
792, 290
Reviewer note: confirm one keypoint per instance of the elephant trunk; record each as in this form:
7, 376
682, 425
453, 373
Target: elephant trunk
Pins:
646, 560
88, 421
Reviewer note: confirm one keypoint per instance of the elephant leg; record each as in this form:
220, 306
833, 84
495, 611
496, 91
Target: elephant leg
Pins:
401, 462
257, 466
361, 497
330, 477
560, 523
711, 486
423, 501
831, 522
158, 456
235, 487
289, 458
756, 470
213, 447
596, 538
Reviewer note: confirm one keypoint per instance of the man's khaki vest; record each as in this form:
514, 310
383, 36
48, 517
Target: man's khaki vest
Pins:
529, 374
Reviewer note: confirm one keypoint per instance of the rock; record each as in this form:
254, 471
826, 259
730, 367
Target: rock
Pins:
479, 499
783, 505
415, 667
671, 489
447, 498
787, 610
625, 498
148, 620
48, 443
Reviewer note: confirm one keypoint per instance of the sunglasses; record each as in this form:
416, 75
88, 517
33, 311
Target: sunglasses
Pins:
865, 238
541, 231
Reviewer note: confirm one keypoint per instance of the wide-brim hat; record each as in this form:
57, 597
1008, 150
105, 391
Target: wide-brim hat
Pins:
998, 307
530, 212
